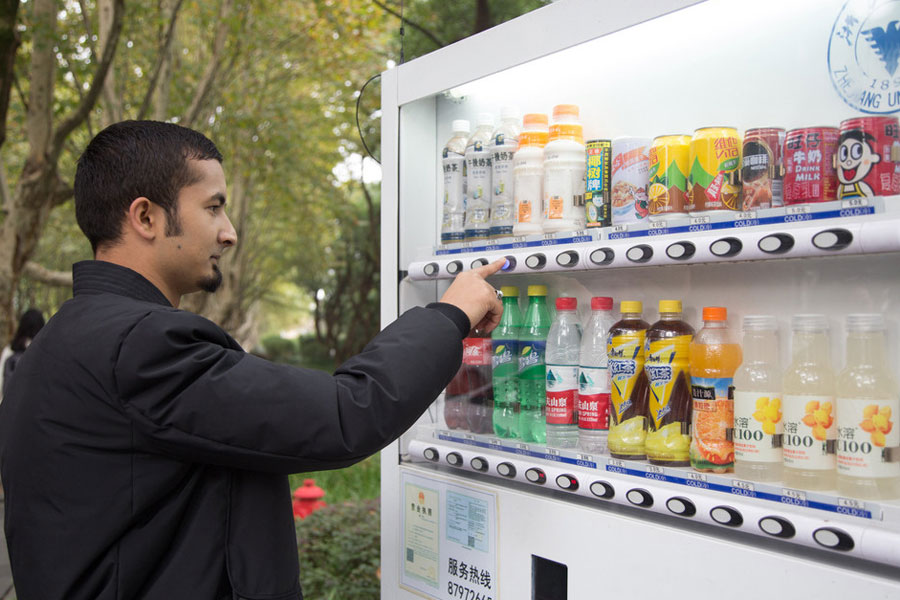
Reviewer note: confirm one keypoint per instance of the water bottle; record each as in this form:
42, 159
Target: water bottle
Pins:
478, 179
505, 365
532, 373
563, 350
593, 378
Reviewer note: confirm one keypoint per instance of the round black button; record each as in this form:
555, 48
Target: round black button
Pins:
726, 247
431, 269
569, 258
777, 243
567, 482
535, 261
511, 266
479, 464
778, 527
639, 497
478, 262
506, 469
725, 515
535, 475
640, 253
832, 239
454, 459
601, 489
454, 267
834, 539
431, 454
681, 250
681, 506
602, 256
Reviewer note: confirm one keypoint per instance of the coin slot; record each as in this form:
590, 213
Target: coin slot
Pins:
777, 243
639, 254
832, 239
602, 256
681, 250
726, 247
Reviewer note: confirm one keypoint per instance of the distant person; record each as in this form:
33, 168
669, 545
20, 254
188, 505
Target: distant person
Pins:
144, 453
29, 325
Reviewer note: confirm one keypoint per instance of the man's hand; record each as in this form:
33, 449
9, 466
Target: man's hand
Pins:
476, 297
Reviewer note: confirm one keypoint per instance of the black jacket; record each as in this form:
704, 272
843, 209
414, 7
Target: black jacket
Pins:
144, 454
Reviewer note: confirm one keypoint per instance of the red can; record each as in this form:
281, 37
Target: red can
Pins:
761, 168
809, 173
867, 157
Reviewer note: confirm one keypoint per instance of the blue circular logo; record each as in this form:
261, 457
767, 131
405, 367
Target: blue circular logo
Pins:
864, 55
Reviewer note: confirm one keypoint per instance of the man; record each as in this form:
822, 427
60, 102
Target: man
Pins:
144, 454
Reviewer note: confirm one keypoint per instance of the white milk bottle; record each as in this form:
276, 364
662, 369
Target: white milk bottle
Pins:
478, 179
504, 143
564, 171
528, 169
454, 205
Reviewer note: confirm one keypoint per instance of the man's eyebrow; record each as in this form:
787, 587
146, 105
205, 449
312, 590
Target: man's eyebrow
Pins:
220, 198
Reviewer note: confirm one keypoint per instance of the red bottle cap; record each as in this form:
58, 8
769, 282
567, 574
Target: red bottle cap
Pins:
566, 303
601, 303
715, 313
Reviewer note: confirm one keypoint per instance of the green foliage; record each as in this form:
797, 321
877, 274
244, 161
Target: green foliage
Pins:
361, 481
280, 350
339, 552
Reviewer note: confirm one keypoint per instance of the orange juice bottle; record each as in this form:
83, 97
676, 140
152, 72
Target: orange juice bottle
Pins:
715, 355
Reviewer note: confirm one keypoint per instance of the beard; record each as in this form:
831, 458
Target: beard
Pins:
211, 283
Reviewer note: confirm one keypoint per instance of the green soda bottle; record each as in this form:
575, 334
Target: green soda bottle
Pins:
532, 368
505, 364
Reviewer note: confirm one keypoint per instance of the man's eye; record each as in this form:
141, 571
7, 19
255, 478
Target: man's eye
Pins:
214, 208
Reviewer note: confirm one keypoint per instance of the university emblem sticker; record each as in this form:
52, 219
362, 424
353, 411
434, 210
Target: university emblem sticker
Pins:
864, 55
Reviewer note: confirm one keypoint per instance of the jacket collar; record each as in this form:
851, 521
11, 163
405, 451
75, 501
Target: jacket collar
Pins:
97, 277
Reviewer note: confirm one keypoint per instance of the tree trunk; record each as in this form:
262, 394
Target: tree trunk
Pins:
9, 44
166, 53
112, 102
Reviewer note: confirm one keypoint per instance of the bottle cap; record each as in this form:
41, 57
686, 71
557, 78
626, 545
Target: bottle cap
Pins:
461, 126
567, 113
535, 122
509, 291
631, 306
565, 303
760, 323
865, 322
809, 323
670, 306
485, 119
509, 112
601, 303
715, 313
537, 290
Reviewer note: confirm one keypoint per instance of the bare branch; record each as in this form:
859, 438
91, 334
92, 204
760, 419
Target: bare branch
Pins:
62, 192
212, 67
160, 61
45, 275
413, 24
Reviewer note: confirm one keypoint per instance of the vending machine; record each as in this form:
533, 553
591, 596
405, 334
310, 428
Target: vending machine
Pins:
481, 517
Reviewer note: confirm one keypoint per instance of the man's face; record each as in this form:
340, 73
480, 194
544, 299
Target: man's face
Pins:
192, 248
855, 160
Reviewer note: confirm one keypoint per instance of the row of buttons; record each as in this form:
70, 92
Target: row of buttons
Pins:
828, 537
727, 247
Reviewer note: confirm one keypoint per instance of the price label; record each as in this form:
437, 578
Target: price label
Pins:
851, 503
444, 432
518, 239
552, 451
654, 469
696, 476
795, 494
522, 446
616, 463
549, 236
799, 209
586, 457
745, 216
580, 233
742, 485
700, 220
658, 224
854, 202
494, 442
469, 436
619, 228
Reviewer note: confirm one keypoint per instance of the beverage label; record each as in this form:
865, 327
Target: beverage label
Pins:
757, 422
714, 176
668, 174
563, 188
809, 168
596, 195
562, 387
761, 165
505, 352
665, 360
528, 179
502, 152
629, 180
477, 351
808, 427
866, 432
866, 153
531, 354
626, 361
712, 416
593, 398
452, 226
478, 191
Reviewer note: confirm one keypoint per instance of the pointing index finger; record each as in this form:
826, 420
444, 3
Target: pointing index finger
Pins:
489, 269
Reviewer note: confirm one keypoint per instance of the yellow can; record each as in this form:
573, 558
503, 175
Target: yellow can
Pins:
714, 181
669, 160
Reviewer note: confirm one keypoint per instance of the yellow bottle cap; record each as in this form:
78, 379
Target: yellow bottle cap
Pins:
670, 306
537, 290
509, 291
631, 306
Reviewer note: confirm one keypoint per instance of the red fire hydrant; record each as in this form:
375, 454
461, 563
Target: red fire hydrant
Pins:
307, 499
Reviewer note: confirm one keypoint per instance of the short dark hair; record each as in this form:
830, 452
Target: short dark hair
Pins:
29, 324
855, 134
134, 159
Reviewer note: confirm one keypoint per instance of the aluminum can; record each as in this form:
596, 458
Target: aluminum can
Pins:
668, 170
809, 173
596, 195
629, 180
714, 180
762, 167
868, 157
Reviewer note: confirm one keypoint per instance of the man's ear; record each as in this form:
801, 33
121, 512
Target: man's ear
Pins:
144, 218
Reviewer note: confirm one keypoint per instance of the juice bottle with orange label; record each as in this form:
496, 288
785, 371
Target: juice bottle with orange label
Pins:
715, 356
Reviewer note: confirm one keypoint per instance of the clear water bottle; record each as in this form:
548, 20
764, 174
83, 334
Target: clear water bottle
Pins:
532, 371
593, 378
563, 350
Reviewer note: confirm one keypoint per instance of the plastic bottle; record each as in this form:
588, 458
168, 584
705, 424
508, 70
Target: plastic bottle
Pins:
715, 355
758, 422
668, 377
532, 373
628, 381
454, 207
564, 171
480, 396
478, 179
455, 400
867, 404
563, 350
528, 169
593, 378
504, 143
505, 364
808, 407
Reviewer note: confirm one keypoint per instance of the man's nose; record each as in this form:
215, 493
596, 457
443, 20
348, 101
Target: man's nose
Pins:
227, 235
